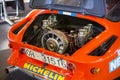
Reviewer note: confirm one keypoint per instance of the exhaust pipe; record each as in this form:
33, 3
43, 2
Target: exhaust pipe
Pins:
10, 69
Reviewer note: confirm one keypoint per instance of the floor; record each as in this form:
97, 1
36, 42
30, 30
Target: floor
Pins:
4, 27
3, 63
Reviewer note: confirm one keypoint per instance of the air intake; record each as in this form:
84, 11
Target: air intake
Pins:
19, 28
104, 47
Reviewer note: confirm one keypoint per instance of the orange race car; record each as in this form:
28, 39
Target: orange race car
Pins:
68, 40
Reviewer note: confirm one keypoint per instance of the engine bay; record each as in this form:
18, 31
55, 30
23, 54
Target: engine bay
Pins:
61, 33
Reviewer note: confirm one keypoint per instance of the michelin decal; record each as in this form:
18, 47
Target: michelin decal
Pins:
115, 64
43, 72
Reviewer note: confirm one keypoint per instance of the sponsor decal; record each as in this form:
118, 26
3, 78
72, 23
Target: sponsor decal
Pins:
118, 51
43, 72
115, 64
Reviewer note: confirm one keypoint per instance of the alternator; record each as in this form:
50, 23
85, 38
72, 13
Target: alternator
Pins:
55, 41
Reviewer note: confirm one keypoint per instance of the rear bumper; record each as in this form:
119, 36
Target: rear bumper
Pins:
81, 72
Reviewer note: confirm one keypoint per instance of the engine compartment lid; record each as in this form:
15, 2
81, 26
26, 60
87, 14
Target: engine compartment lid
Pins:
89, 7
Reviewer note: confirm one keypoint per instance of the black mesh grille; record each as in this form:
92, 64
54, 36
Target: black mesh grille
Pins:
104, 47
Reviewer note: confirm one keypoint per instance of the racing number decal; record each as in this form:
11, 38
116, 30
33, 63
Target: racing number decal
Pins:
52, 60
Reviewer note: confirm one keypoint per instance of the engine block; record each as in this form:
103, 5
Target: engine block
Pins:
56, 33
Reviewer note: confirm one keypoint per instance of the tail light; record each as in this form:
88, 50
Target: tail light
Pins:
22, 50
70, 66
95, 70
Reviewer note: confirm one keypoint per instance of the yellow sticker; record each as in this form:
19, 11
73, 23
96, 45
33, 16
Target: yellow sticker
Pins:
43, 72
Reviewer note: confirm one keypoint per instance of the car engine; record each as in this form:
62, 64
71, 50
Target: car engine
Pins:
55, 35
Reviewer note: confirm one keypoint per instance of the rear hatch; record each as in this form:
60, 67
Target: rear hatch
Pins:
90, 7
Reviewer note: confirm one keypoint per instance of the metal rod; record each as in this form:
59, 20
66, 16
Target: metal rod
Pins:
5, 13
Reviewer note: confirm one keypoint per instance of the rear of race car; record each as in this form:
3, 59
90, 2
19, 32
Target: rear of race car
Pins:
64, 44
77, 65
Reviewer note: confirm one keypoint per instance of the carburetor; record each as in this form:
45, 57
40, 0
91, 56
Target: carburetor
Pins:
50, 22
84, 35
